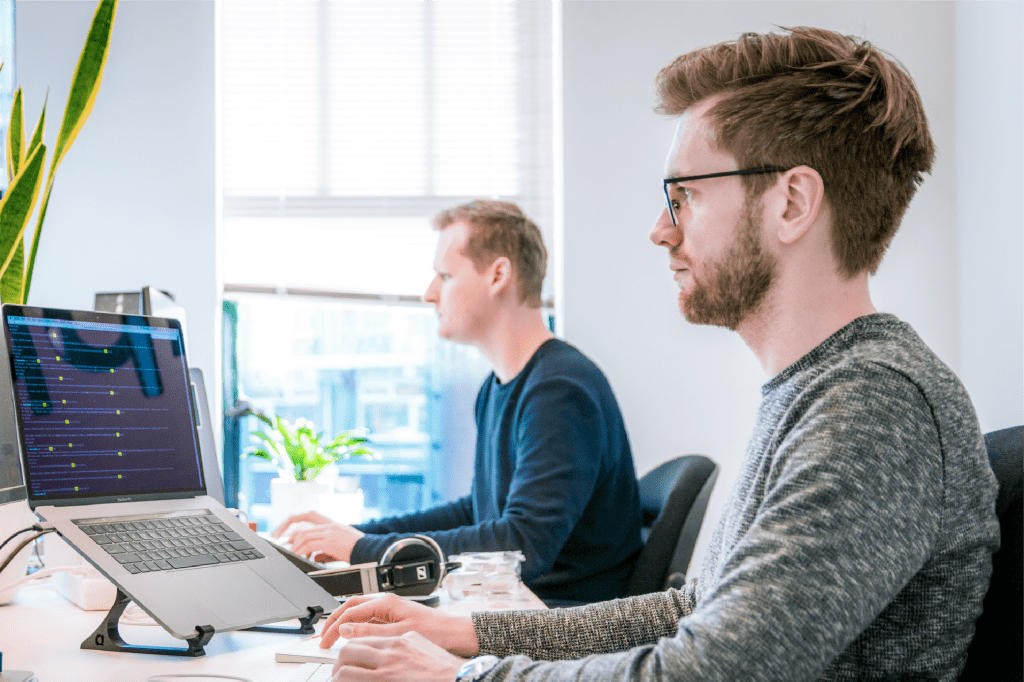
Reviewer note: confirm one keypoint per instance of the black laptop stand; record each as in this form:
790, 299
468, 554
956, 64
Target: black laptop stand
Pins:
107, 638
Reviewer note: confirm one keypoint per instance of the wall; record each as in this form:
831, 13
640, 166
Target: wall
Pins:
685, 388
990, 207
134, 199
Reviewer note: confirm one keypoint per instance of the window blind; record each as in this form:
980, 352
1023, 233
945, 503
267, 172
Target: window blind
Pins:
347, 125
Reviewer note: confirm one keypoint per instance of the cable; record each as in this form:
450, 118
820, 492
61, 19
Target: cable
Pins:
22, 546
161, 678
134, 615
36, 527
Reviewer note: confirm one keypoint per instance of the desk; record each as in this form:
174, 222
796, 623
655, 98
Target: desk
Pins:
41, 631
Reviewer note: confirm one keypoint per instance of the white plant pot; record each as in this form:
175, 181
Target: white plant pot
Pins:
294, 497
344, 508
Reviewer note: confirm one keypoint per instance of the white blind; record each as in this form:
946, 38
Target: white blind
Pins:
347, 125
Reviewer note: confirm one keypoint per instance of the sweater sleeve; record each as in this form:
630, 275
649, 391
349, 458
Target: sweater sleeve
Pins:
556, 634
847, 519
556, 468
383, 532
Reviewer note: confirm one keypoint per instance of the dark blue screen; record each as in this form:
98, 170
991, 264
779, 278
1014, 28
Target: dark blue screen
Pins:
104, 407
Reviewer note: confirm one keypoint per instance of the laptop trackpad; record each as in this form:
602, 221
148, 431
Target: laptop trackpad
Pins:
239, 596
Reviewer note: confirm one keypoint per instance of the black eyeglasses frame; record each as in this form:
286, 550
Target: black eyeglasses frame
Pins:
689, 178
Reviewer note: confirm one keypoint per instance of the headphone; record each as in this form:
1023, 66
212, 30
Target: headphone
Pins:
412, 567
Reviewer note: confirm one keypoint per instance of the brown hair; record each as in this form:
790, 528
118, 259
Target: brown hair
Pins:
500, 228
816, 98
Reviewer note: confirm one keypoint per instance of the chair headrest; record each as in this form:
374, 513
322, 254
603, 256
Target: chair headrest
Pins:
1006, 455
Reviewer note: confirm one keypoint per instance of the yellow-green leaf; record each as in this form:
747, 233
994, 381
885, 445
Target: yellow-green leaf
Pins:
17, 204
14, 276
15, 138
86, 81
37, 136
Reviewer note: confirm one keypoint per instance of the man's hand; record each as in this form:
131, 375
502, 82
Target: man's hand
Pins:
395, 659
310, 517
326, 540
391, 616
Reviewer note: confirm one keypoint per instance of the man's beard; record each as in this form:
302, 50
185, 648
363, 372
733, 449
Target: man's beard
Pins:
739, 281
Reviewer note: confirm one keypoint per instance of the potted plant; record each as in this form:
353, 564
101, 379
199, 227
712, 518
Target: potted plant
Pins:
300, 455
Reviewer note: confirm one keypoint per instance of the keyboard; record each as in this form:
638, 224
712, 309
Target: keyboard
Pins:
312, 672
168, 541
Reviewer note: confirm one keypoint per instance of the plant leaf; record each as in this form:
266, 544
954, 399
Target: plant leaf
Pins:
15, 138
263, 418
13, 277
17, 204
37, 136
85, 84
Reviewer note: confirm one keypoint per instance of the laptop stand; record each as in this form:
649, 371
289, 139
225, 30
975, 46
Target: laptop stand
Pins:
107, 638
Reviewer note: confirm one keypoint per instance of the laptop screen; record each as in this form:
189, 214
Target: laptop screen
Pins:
103, 406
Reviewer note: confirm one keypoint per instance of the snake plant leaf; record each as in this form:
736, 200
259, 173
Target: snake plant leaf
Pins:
15, 138
85, 84
12, 279
17, 203
37, 136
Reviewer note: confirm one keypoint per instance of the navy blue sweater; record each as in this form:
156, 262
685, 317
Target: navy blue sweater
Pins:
554, 478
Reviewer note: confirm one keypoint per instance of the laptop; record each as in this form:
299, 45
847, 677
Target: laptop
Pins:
100, 407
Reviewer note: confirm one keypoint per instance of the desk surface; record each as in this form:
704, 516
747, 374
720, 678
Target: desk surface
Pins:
42, 631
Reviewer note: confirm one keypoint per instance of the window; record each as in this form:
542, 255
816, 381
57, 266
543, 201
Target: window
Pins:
345, 128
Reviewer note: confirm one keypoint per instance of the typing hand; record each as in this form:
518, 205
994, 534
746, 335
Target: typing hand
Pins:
327, 542
304, 520
389, 616
395, 659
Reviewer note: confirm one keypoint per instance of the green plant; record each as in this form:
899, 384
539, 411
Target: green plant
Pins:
25, 164
297, 451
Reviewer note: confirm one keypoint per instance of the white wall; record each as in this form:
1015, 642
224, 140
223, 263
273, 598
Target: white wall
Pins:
990, 207
133, 202
684, 388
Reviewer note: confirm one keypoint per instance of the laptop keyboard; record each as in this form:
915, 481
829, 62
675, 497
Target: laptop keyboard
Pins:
166, 542
312, 672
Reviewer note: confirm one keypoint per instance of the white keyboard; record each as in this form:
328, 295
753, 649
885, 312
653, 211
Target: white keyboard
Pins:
312, 672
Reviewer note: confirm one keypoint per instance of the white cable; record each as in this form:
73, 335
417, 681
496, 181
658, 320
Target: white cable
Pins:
134, 615
161, 678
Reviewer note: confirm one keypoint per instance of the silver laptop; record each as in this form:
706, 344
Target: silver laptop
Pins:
100, 407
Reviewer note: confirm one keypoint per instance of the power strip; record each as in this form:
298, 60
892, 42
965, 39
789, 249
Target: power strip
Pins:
87, 592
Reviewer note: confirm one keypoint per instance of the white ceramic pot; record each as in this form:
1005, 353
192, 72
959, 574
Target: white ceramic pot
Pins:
343, 507
289, 497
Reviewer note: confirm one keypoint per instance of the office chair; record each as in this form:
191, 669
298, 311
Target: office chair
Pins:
995, 652
673, 499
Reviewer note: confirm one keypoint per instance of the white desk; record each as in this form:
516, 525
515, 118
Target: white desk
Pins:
41, 631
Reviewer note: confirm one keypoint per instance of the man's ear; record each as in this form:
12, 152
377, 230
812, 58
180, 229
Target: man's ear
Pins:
796, 203
500, 274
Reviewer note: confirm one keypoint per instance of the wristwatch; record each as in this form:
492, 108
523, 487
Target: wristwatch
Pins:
475, 668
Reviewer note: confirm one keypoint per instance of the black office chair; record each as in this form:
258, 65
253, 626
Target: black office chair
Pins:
995, 652
673, 499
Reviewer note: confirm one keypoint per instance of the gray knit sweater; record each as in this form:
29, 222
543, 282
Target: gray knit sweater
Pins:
856, 543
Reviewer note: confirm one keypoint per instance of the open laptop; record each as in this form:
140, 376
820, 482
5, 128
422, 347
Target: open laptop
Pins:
99, 406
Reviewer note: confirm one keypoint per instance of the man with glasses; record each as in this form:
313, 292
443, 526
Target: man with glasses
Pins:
856, 543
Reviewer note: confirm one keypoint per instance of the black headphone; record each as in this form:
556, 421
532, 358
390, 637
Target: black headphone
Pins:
412, 567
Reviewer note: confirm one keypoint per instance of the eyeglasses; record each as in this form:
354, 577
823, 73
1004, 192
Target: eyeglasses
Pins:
746, 171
